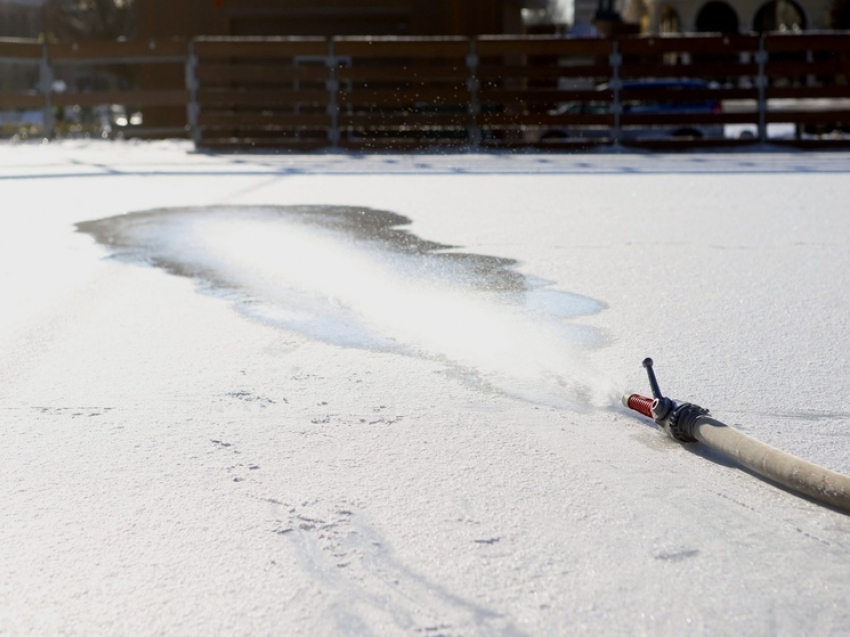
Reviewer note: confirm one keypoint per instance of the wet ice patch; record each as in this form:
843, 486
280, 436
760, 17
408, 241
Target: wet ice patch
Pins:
355, 277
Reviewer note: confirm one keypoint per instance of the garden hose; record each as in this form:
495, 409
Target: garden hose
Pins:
688, 423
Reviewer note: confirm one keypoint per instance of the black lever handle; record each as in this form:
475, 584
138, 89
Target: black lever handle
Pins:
653, 383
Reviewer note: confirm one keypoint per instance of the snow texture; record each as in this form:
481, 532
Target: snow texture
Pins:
258, 394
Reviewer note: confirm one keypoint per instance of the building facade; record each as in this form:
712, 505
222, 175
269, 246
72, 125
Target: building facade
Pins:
726, 16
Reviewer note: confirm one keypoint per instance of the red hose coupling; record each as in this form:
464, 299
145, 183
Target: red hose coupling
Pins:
638, 403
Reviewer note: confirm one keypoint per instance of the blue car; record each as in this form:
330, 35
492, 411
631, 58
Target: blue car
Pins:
664, 105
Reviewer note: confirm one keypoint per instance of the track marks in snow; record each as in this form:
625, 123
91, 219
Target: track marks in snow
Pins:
368, 590
238, 470
322, 413
251, 398
74, 412
489, 540
676, 555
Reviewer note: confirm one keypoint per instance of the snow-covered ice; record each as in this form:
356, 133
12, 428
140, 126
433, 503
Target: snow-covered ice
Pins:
333, 394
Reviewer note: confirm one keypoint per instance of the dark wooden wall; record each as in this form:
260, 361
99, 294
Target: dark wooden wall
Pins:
158, 19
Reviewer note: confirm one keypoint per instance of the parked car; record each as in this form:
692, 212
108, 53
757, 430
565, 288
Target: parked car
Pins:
664, 105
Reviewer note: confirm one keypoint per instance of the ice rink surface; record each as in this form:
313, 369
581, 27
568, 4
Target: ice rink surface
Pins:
228, 409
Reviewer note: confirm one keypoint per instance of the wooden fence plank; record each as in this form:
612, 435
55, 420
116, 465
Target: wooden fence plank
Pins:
21, 100
489, 72
701, 71
680, 144
264, 97
831, 41
25, 50
412, 73
397, 47
214, 47
397, 97
607, 119
544, 95
400, 144
164, 97
260, 74
824, 68
683, 119
841, 116
113, 52
232, 143
560, 145
834, 91
685, 95
492, 46
546, 120
249, 120
693, 44
403, 121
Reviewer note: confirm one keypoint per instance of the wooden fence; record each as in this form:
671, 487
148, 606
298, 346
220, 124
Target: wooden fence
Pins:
120, 62
485, 92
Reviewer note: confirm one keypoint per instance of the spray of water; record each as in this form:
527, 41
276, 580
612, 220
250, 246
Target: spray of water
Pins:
354, 277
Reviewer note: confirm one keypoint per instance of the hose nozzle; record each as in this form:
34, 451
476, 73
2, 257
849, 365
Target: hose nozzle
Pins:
638, 403
676, 418
686, 422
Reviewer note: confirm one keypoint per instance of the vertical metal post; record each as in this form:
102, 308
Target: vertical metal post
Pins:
473, 85
616, 108
192, 107
332, 84
811, 80
45, 81
761, 84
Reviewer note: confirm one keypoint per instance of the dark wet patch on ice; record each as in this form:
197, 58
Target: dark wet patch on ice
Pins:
357, 277
139, 237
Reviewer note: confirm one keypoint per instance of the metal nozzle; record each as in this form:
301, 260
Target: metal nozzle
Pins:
676, 418
638, 403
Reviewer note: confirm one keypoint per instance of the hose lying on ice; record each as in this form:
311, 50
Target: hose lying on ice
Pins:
687, 422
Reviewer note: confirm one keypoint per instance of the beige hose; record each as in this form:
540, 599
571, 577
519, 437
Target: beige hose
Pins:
810, 479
